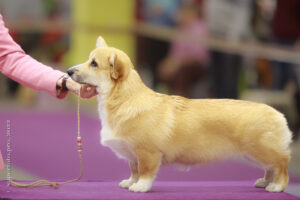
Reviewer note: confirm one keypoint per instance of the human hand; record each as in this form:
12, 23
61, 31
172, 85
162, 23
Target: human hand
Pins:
86, 91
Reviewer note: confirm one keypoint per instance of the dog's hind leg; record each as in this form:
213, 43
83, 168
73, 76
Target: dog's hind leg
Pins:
264, 182
276, 177
148, 165
133, 178
281, 177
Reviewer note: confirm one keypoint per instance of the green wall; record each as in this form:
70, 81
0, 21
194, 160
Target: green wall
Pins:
109, 18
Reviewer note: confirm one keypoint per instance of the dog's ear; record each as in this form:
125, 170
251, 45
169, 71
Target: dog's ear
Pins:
117, 67
101, 42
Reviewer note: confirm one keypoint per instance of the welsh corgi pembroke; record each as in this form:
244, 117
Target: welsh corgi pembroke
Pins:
150, 129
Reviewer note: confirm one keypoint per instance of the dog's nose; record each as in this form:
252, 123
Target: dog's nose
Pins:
70, 72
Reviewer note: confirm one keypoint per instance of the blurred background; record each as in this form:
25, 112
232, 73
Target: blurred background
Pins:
236, 49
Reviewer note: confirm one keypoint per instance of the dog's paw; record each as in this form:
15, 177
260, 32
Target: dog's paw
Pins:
261, 183
274, 187
126, 183
143, 185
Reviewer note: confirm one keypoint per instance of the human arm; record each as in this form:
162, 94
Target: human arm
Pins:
20, 67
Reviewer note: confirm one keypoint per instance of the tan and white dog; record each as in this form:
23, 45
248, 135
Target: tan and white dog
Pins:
150, 129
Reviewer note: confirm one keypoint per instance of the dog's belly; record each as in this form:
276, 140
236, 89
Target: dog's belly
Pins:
119, 146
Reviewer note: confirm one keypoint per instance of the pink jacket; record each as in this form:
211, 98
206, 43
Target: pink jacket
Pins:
184, 51
20, 67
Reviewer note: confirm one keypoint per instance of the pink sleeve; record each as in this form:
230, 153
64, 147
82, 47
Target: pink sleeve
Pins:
20, 67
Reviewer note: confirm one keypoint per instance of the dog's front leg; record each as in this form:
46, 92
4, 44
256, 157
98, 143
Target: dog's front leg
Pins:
133, 178
148, 164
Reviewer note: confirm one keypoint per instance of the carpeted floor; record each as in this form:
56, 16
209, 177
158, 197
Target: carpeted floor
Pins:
162, 190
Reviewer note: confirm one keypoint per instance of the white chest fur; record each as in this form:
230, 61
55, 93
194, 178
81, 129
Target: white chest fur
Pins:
108, 137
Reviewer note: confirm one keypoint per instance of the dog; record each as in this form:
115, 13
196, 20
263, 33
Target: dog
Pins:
150, 129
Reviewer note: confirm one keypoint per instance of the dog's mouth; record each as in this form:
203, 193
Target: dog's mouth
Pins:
79, 80
82, 82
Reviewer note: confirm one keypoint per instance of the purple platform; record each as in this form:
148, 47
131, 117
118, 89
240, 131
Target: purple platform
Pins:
161, 190
45, 145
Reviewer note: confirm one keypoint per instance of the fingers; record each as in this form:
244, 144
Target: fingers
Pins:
73, 86
88, 91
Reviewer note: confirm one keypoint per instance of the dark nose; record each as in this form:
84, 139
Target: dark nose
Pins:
70, 72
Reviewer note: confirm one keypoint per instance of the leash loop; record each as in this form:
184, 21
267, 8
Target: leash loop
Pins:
53, 184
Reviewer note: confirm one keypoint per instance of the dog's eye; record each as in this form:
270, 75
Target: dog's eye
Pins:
94, 64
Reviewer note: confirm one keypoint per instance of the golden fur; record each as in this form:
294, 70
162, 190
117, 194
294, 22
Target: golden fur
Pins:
151, 129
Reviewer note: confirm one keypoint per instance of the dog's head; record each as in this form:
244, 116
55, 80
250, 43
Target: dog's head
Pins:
105, 67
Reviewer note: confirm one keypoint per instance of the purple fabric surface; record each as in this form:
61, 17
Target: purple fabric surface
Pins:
45, 145
161, 190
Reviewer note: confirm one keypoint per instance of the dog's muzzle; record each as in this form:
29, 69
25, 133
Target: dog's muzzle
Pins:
70, 71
